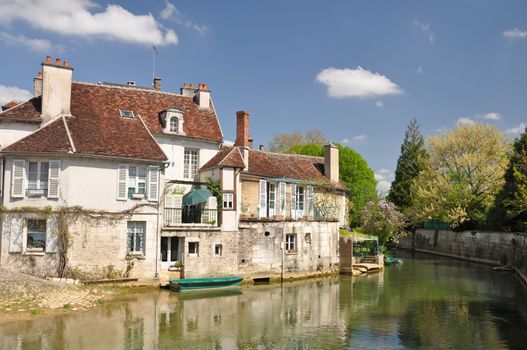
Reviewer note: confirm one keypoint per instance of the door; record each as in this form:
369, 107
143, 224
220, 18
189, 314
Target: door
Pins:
271, 197
169, 252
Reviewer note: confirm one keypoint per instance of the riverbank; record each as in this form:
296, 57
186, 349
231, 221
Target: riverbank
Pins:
490, 248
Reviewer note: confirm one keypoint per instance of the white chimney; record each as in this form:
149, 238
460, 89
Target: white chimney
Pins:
37, 85
56, 89
331, 162
203, 96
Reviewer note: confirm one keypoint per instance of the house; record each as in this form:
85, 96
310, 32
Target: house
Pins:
102, 180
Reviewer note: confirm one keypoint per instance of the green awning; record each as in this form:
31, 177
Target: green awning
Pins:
196, 196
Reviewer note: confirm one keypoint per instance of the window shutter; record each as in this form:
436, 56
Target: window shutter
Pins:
281, 198
153, 183
1, 177
310, 198
263, 199
52, 239
293, 201
173, 202
53, 178
18, 177
122, 180
15, 235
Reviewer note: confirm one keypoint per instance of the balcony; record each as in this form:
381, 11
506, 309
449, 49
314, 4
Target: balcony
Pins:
190, 217
289, 212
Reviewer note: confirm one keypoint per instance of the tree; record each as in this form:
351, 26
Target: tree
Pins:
282, 142
380, 218
462, 177
409, 165
510, 208
354, 173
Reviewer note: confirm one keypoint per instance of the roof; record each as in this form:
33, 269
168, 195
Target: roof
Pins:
226, 157
28, 111
96, 127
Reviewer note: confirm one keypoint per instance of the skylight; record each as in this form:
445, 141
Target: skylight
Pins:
126, 114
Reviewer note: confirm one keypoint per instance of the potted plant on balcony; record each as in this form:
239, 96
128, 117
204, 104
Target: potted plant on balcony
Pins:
176, 266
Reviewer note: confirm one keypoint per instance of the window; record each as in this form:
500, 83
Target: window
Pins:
218, 250
308, 237
190, 168
228, 199
300, 197
36, 235
174, 124
37, 179
272, 196
193, 248
136, 237
136, 182
290, 243
126, 114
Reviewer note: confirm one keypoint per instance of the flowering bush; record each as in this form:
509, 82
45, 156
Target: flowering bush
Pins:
380, 218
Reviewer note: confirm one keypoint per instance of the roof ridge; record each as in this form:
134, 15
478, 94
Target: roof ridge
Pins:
18, 105
227, 155
288, 154
130, 88
69, 134
152, 136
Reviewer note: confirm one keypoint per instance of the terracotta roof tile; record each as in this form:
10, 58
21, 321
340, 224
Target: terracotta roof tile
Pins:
28, 111
52, 138
226, 157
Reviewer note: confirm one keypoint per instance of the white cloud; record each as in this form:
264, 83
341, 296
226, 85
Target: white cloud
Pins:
379, 104
464, 120
359, 138
170, 12
384, 179
80, 18
515, 34
517, 130
39, 45
345, 141
491, 116
358, 82
425, 28
10, 93
420, 70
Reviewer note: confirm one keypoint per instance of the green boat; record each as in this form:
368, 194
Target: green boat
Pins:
204, 283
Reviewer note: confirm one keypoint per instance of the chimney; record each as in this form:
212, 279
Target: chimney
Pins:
331, 162
187, 91
37, 85
157, 84
203, 96
243, 139
56, 89
261, 148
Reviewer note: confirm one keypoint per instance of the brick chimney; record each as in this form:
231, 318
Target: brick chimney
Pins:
56, 88
243, 139
203, 96
157, 84
331, 162
37, 85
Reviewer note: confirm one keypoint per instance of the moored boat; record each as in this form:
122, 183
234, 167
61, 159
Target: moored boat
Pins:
204, 283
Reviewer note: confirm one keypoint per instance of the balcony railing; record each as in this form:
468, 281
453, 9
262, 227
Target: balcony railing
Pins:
289, 211
190, 216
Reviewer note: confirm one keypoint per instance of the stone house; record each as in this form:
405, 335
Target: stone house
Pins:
114, 180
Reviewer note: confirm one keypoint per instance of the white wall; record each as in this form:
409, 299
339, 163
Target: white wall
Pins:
12, 132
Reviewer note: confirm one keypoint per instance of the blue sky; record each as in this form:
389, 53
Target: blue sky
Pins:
357, 70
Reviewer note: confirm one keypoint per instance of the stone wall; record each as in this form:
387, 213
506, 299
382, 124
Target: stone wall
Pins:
494, 248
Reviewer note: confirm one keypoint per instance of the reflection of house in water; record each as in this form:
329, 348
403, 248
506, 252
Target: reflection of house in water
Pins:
145, 158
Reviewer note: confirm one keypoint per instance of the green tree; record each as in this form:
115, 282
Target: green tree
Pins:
354, 173
381, 219
282, 142
409, 165
510, 208
462, 177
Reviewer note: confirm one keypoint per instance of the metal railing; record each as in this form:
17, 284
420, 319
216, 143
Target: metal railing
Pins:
289, 211
190, 215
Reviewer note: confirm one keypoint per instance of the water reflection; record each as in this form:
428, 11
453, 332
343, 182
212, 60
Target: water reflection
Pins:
423, 304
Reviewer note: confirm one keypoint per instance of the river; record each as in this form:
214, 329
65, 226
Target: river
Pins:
427, 303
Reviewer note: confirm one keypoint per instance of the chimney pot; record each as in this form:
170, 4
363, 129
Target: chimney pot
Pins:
39, 75
191, 86
48, 59
57, 61
185, 84
66, 63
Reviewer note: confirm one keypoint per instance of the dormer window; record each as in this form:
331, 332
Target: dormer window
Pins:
174, 124
126, 114
172, 121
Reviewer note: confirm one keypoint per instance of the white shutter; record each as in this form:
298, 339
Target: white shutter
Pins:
18, 178
53, 178
293, 201
263, 199
310, 197
153, 183
174, 204
15, 235
52, 239
122, 181
1, 177
281, 198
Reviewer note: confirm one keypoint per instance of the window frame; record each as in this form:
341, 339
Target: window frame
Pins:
228, 197
220, 246
190, 163
177, 124
196, 250
132, 238
136, 179
124, 112
32, 249
291, 243
39, 181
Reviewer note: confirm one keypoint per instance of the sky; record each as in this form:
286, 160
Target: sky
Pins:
359, 71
